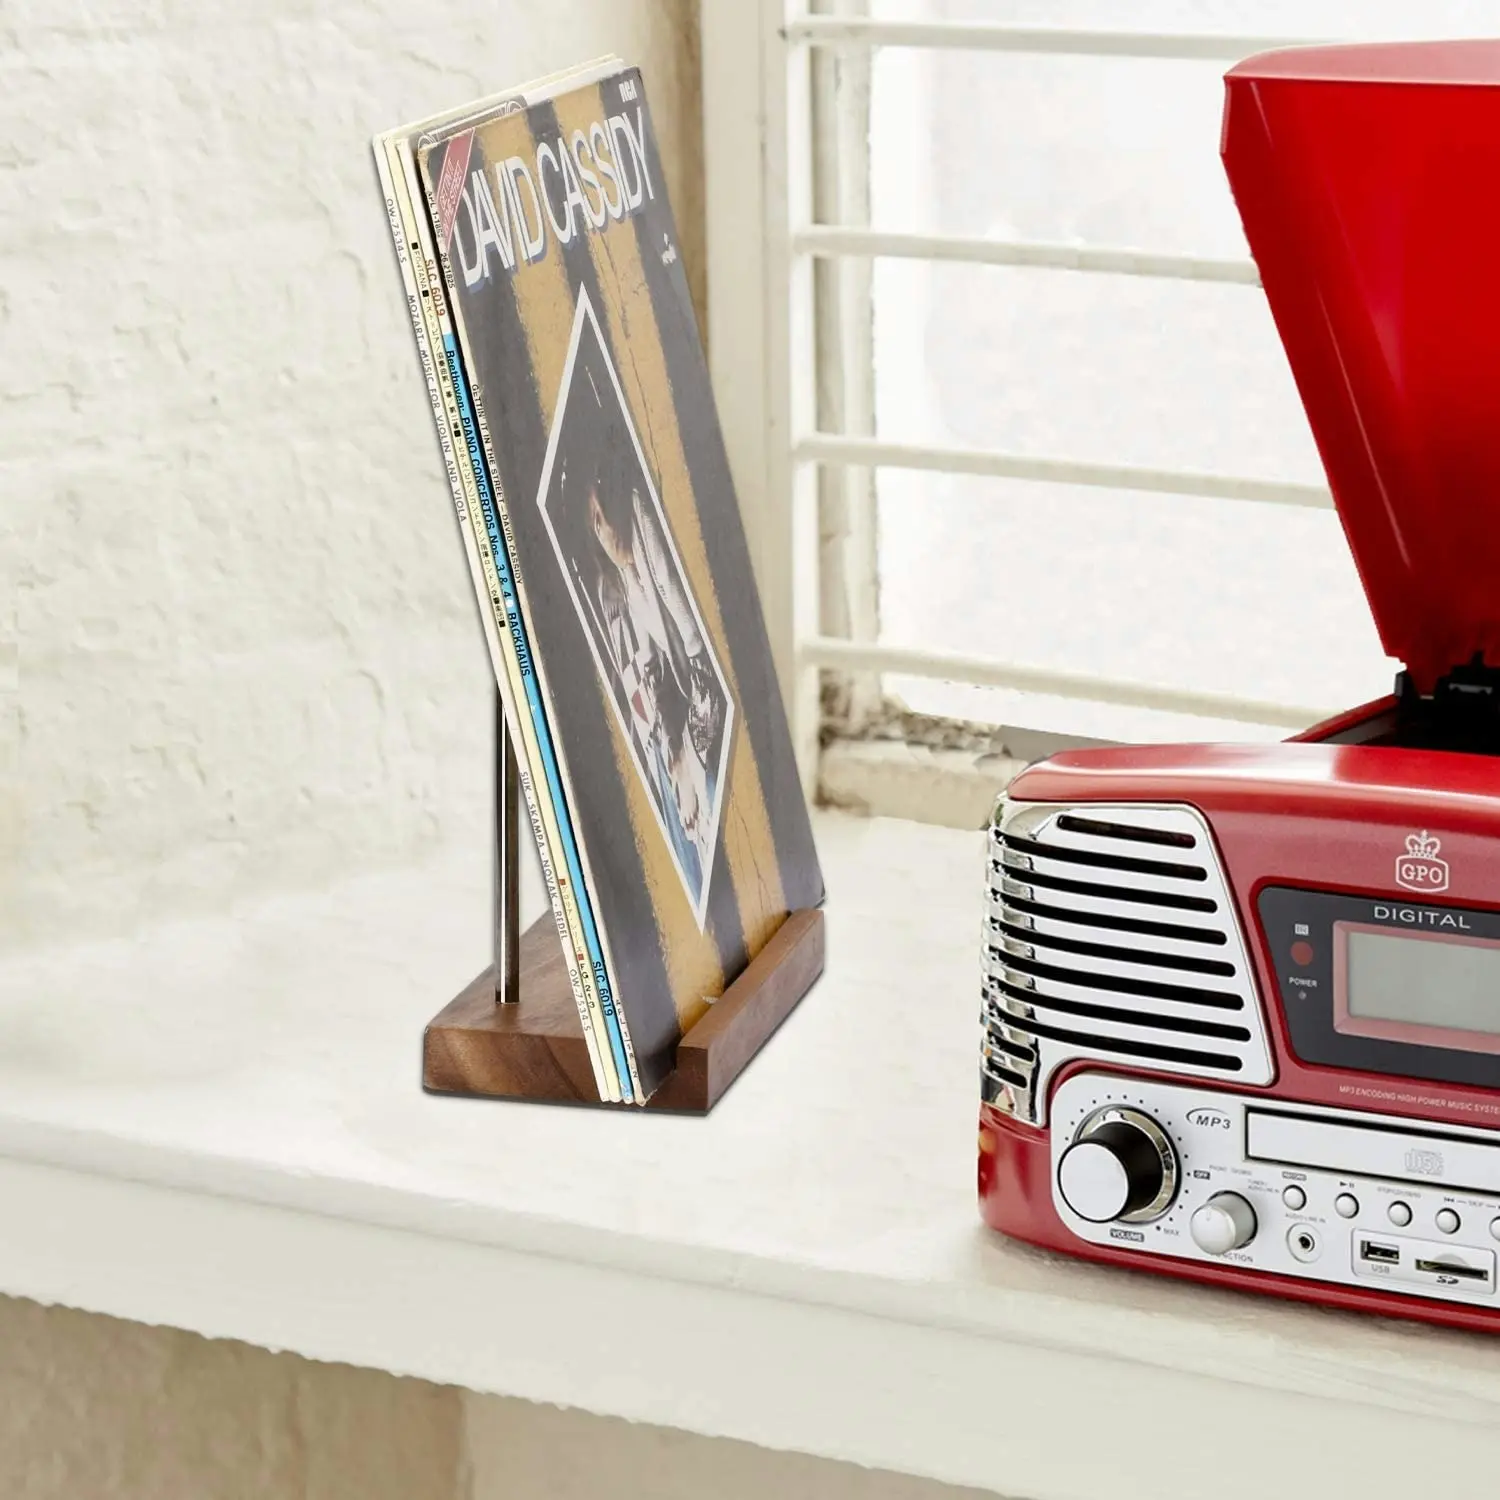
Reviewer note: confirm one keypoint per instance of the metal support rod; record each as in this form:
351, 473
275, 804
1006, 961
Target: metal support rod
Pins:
507, 875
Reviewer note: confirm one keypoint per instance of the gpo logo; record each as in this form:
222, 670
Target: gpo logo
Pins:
1419, 868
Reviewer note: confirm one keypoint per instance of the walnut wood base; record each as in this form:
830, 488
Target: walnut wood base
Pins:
534, 1049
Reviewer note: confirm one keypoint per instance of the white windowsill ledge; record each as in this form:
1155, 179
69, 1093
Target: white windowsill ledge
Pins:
220, 1128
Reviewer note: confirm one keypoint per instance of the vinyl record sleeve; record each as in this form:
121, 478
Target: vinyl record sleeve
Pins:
467, 475
578, 336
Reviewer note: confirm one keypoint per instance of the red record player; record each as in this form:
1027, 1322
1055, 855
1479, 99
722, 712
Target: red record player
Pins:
1242, 1003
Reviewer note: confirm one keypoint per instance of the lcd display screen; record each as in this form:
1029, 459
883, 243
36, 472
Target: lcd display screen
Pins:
1425, 988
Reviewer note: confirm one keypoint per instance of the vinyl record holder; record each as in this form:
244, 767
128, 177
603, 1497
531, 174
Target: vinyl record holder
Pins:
515, 1032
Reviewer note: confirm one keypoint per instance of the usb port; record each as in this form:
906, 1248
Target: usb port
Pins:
1452, 1268
1385, 1254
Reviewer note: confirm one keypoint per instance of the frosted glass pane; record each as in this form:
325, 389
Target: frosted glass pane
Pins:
1112, 369
1211, 596
1101, 150
1215, 596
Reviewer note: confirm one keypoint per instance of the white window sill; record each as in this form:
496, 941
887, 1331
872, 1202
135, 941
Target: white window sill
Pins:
220, 1128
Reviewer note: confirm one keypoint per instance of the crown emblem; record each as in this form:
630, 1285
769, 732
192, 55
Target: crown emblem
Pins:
1420, 869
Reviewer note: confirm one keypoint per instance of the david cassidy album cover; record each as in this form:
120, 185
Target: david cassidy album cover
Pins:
644, 625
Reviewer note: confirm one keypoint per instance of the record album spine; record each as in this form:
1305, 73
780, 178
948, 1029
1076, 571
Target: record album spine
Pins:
503, 580
502, 543
411, 234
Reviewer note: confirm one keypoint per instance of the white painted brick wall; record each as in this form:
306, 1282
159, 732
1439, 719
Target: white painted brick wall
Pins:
237, 643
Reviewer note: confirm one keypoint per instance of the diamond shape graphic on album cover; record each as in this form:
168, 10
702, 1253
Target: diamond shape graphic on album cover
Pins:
633, 597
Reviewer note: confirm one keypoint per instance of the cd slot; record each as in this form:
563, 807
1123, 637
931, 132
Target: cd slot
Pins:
1444, 1161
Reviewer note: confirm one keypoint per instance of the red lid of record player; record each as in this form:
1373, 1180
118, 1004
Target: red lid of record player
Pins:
1368, 180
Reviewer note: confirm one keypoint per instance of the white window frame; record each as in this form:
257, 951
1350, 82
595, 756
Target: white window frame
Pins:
762, 246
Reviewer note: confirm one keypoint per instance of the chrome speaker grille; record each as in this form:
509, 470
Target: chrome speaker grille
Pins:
1110, 933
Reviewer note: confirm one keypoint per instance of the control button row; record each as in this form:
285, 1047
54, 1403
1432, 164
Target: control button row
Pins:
1346, 1205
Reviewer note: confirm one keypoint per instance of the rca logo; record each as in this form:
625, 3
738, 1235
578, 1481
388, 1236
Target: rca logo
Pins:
1419, 868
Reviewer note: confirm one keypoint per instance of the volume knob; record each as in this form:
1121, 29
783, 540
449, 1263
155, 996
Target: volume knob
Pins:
1120, 1166
1222, 1224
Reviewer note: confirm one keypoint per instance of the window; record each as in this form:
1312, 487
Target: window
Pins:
1021, 454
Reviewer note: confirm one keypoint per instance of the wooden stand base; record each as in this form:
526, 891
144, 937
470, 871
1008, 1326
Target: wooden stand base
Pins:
534, 1048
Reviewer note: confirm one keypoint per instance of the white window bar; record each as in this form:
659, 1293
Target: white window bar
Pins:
835, 448
837, 240
844, 311
781, 413
982, 36
983, 671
